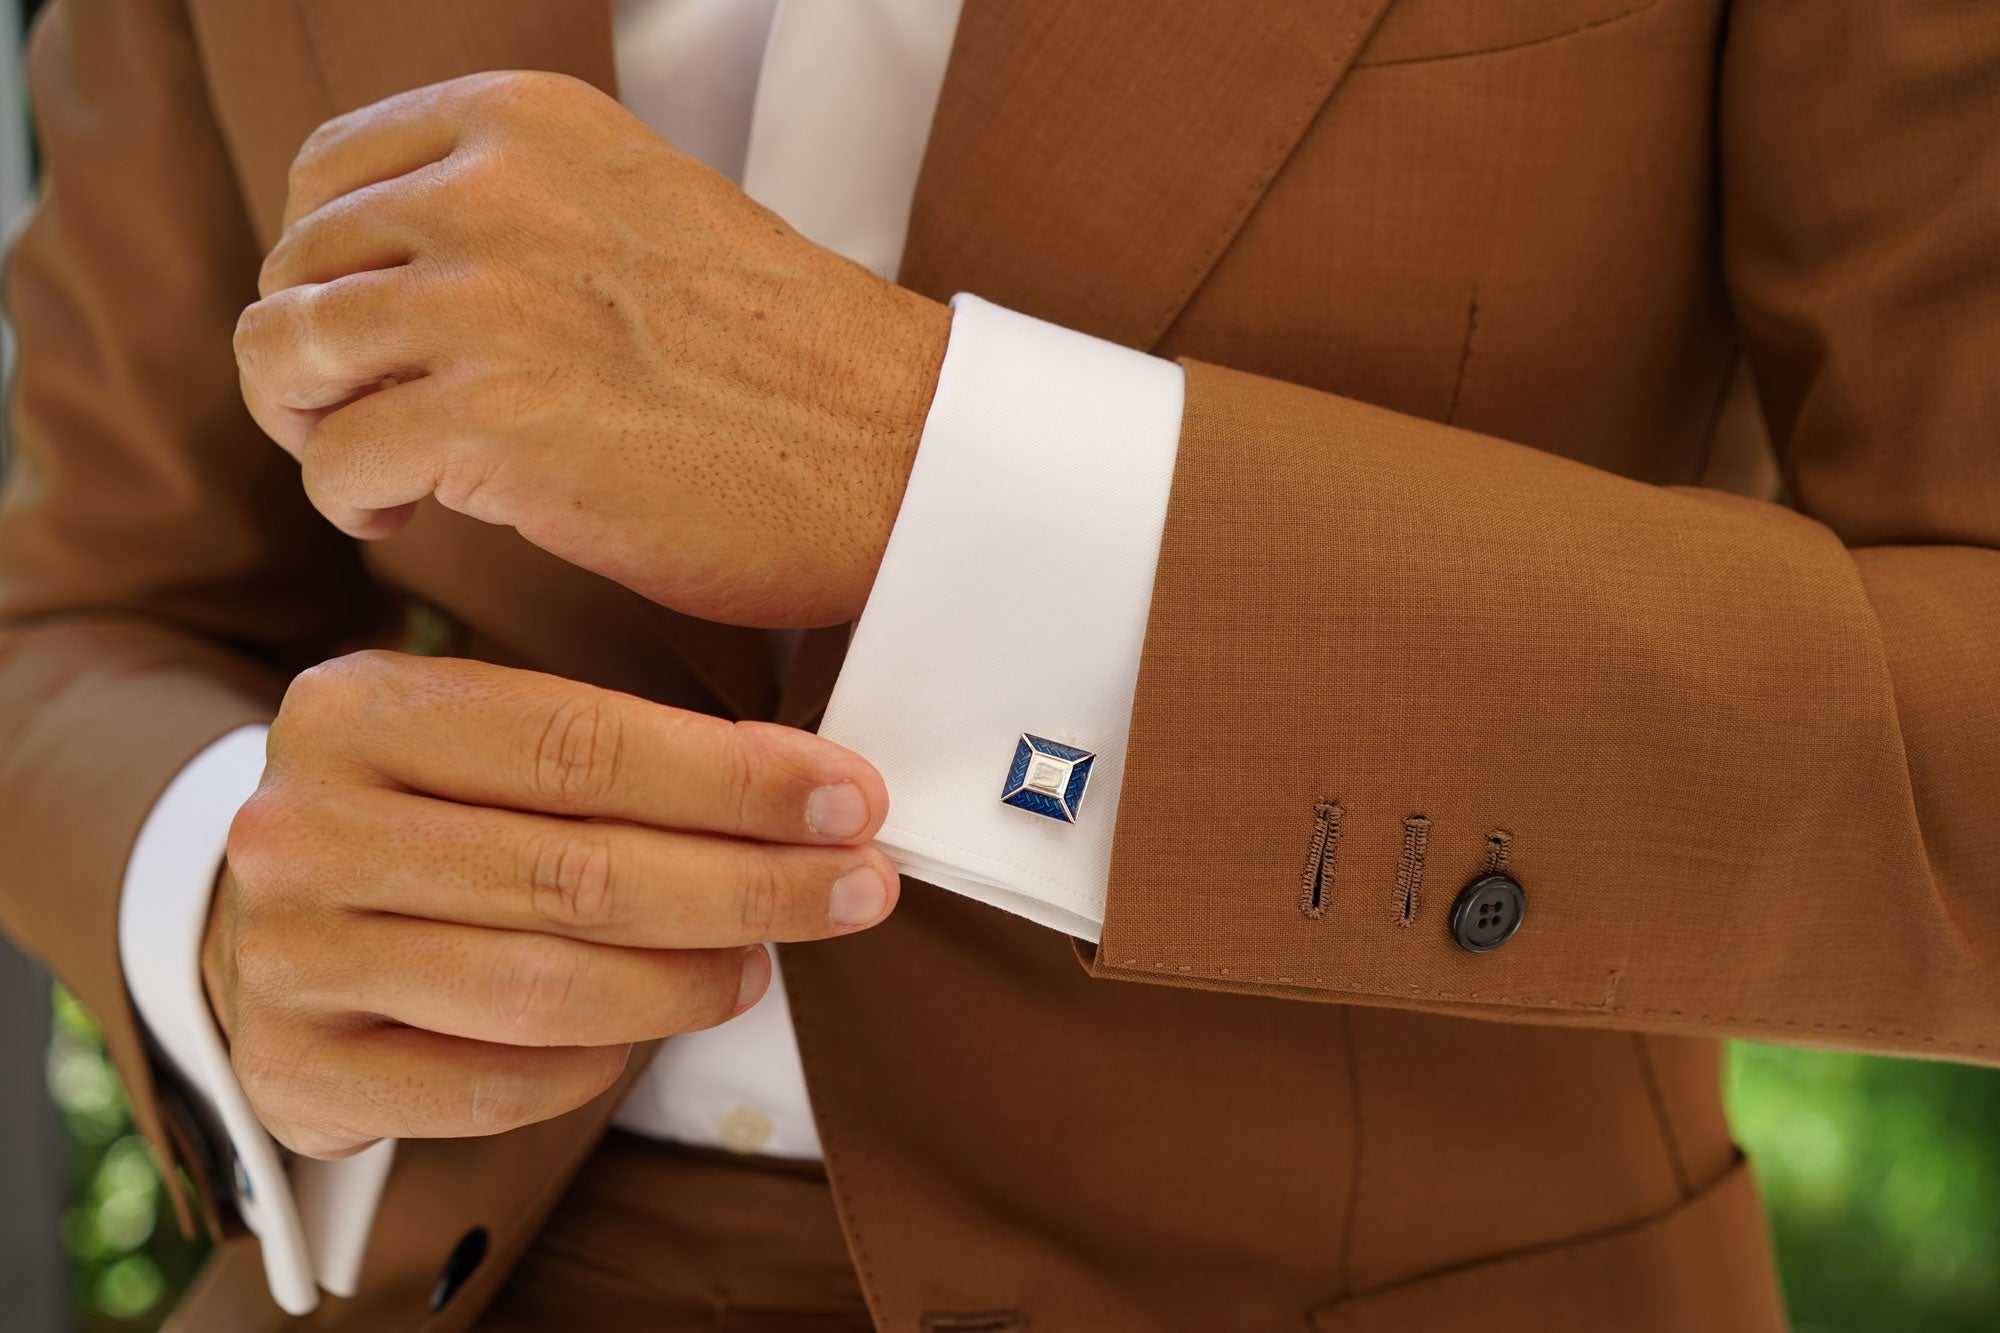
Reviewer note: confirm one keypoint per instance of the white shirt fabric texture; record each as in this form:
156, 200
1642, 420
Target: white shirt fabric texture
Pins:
1012, 599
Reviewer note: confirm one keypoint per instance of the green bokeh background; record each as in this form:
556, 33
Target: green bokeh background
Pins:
1882, 1176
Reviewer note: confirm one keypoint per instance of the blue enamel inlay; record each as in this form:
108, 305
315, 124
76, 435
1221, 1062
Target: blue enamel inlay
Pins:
1058, 749
1015, 794
1042, 805
1017, 772
1073, 795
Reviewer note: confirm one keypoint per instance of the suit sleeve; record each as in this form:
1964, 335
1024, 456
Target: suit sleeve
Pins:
1743, 759
161, 574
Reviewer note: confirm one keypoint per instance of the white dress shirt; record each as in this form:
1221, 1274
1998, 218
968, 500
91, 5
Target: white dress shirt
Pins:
1012, 598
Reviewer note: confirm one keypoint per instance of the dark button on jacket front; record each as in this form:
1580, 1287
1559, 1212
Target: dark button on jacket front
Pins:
458, 1266
1487, 913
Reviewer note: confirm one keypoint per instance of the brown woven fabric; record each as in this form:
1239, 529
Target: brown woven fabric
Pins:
1462, 289
654, 1238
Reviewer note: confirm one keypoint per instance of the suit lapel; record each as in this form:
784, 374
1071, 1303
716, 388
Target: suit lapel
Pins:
1092, 159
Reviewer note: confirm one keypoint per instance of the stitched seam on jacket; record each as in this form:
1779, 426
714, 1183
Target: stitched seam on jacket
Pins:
1385, 991
836, 1175
1563, 1250
1521, 45
1643, 1046
1464, 359
1350, 1218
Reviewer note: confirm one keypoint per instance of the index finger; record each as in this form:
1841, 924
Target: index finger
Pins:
495, 736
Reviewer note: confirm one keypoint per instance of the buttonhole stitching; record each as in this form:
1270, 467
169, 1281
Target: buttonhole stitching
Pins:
1316, 880
1410, 869
1497, 843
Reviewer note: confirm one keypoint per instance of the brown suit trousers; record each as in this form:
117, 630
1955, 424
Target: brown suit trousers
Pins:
1460, 287
658, 1238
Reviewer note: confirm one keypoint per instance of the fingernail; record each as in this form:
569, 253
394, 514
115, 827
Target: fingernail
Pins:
858, 897
839, 811
756, 976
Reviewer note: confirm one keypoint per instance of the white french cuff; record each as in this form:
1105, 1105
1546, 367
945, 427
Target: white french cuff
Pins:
311, 1218
1003, 633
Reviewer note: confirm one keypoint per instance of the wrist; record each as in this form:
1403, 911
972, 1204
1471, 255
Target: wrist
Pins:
920, 335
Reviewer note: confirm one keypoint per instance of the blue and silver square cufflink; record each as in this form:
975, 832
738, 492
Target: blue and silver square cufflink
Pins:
1047, 778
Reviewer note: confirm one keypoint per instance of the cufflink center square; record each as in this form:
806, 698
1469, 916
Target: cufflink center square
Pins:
1047, 775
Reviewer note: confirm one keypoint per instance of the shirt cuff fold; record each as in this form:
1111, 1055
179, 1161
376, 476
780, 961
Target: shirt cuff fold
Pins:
311, 1218
1012, 601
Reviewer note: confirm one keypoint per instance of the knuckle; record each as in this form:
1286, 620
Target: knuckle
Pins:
268, 1064
760, 897
334, 691
261, 1072
351, 681
303, 174
775, 769
570, 880
496, 1102
296, 1097
264, 962
534, 986
508, 91
503, 1099
253, 336
482, 170
318, 146
319, 688
741, 766
577, 752
255, 831
305, 321
263, 843
279, 260
377, 665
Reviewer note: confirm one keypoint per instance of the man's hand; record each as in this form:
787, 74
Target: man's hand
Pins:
463, 891
506, 292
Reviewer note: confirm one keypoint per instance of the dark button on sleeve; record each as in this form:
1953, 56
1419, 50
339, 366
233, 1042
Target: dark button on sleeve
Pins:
1487, 913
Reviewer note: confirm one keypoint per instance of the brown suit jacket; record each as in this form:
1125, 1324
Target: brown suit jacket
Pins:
1479, 275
